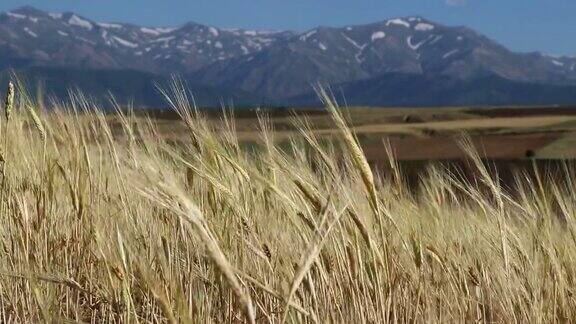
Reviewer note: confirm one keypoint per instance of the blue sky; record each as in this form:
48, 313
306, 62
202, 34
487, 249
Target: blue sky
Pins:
525, 25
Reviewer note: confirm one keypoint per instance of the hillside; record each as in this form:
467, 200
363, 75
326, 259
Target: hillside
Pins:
378, 64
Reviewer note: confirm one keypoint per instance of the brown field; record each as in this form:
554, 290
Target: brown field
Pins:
419, 134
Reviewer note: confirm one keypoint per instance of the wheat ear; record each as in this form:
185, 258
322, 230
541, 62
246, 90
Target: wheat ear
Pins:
37, 122
9, 100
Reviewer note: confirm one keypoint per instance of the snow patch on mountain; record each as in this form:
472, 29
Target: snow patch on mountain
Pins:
156, 31
424, 27
378, 35
165, 30
77, 21
109, 25
398, 22
322, 46
308, 35
21, 16
29, 32
351, 41
85, 40
149, 31
413, 46
269, 32
124, 42
15, 15
435, 39
452, 52
358, 56
214, 31
163, 39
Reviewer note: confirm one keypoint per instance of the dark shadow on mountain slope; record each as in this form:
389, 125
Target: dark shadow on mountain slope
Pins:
397, 89
127, 86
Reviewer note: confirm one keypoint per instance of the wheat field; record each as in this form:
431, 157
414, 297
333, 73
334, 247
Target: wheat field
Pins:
109, 224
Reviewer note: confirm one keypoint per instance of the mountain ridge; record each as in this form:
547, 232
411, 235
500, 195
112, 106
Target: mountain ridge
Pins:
400, 45
277, 66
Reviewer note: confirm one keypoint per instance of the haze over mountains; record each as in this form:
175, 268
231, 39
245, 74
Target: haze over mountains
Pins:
400, 61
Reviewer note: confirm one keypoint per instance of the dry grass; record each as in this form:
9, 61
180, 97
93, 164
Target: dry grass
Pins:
101, 225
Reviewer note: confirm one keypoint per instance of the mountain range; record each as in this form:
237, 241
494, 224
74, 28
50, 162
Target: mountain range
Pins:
399, 61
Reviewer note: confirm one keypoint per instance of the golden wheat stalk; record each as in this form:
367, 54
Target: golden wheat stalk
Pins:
310, 196
9, 103
358, 157
218, 257
310, 257
359, 161
37, 122
172, 197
